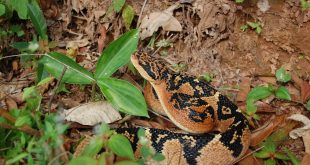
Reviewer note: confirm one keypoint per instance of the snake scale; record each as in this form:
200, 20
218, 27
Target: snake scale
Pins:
195, 107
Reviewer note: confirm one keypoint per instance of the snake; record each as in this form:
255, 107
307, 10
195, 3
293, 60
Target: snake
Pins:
217, 132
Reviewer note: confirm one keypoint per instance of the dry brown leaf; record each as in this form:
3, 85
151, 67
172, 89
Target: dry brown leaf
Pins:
10, 103
271, 80
264, 107
262, 133
164, 19
244, 89
250, 159
92, 113
305, 91
101, 40
306, 159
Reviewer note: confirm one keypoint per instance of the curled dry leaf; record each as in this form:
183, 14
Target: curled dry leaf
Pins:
303, 132
305, 91
164, 19
92, 113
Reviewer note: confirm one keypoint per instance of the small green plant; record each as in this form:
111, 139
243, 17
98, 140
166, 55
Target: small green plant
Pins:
239, 1
304, 4
163, 43
124, 96
257, 26
207, 76
308, 105
262, 92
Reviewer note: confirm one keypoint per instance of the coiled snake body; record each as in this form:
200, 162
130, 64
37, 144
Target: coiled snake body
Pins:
195, 107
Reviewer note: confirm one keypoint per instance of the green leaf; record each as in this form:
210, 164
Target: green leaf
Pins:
304, 4
53, 63
16, 158
126, 162
20, 6
117, 54
282, 75
18, 30
281, 156
259, 92
2, 9
158, 157
270, 162
244, 27
118, 5
239, 1
292, 157
124, 96
21, 120
128, 15
83, 160
308, 105
30, 47
121, 146
38, 20
282, 93
263, 154
93, 148
32, 98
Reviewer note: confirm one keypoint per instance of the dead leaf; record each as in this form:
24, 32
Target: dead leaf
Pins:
305, 91
10, 103
264, 131
303, 132
250, 159
82, 145
102, 38
263, 5
164, 19
244, 89
15, 65
92, 113
306, 159
271, 80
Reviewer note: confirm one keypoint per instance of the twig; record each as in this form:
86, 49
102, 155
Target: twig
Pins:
25, 128
56, 88
248, 154
140, 15
18, 55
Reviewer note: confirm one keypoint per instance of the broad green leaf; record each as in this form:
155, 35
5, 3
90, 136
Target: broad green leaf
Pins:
304, 4
16, 158
20, 6
93, 147
38, 20
282, 93
292, 157
124, 96
128, 15
282, 75
253, 24
21, 120
75, 74
117, 54
118, 5
263, 154
126, 162
121, 146
2, 9
258, 93
83, 160
270, 162
308, 105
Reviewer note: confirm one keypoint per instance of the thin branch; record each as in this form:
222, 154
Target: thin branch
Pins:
140, 15
19, 55
56, 88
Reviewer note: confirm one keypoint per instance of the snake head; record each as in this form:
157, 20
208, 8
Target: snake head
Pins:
150, 68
